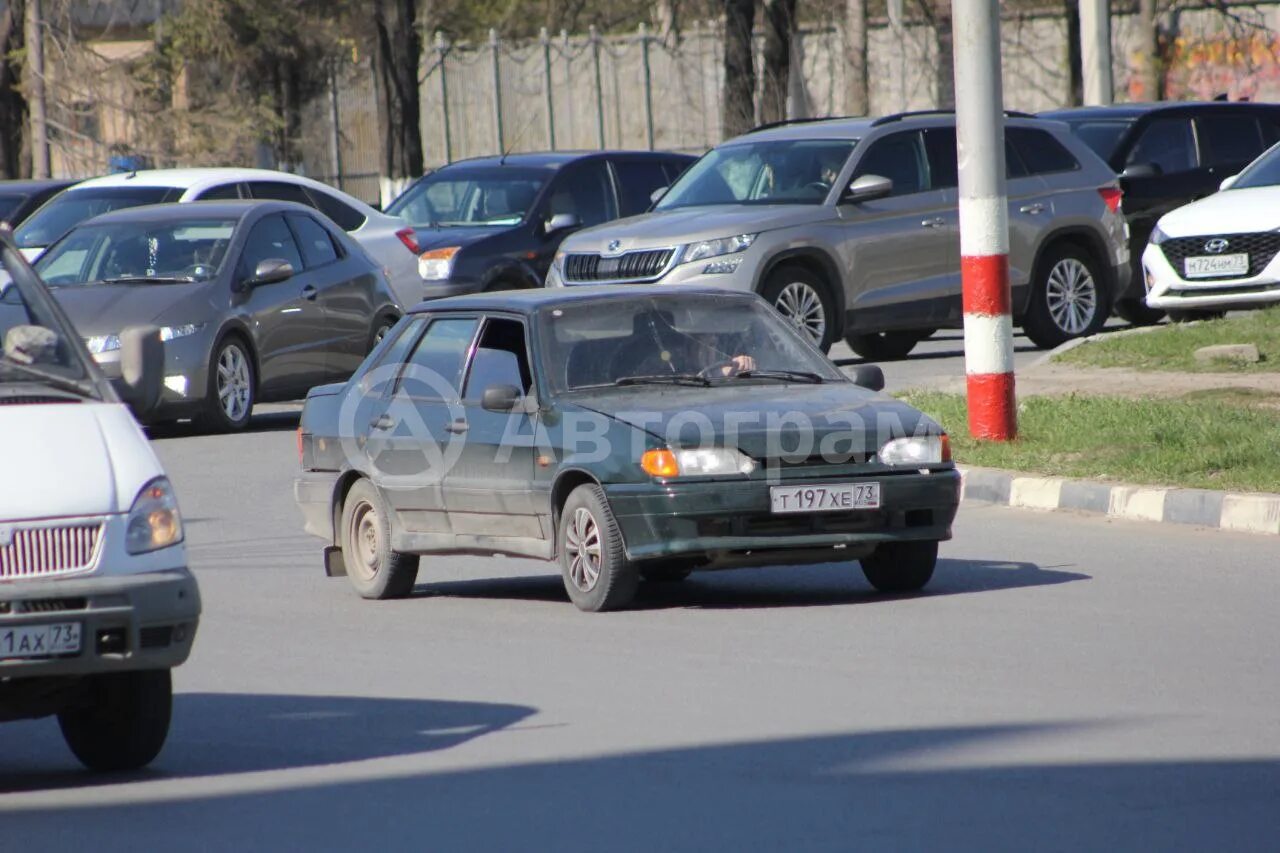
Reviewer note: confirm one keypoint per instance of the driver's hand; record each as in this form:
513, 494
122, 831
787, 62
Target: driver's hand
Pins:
738, 364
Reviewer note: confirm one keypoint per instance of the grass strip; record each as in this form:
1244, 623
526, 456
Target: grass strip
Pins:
1172, 347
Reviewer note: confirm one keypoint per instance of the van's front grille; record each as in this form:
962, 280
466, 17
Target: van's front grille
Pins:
29, 552
641, 265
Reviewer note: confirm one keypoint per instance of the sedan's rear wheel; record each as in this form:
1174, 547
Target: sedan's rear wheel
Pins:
901, 566
804, 301
376, 571
229, 401
593, 562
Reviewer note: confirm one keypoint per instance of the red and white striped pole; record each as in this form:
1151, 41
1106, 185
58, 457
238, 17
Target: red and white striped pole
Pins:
984, 220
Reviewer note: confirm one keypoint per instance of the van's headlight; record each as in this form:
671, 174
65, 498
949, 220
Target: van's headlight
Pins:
916, 450
696, 462
154, 521
704, 249
1157, 236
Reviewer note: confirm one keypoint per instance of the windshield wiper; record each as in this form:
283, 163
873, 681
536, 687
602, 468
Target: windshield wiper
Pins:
149, 279
56, 380
666, 379
792, 375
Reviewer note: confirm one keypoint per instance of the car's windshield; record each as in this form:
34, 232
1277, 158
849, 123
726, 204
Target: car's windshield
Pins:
10, 202
702, 339
1101, 135
37, 344
498, 195
138, 252
67, 210
795, 171
1263, 172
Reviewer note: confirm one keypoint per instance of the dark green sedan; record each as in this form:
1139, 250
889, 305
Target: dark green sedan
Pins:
628, 433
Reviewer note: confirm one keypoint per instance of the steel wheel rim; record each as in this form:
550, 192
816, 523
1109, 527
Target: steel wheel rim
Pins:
233, 384
1072, 296
582, 546
800, 305
362, 533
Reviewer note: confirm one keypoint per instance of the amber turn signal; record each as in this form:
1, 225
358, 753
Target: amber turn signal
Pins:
660, 463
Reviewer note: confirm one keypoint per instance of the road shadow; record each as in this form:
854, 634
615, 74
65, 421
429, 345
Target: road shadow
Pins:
910, 789
776, 587
215, 734
261, 422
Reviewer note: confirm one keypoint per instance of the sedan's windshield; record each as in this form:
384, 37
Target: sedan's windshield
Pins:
67, 210
500, 195
138, 252
778, 172
1263, 172
684, 339
1101, 135
37, 345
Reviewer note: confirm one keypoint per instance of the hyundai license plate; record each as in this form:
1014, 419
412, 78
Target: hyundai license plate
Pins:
825, 498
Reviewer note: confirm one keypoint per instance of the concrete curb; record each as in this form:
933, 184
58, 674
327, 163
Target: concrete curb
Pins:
1051, 355
1246, 513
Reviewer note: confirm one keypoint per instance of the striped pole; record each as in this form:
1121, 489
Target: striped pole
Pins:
984, 220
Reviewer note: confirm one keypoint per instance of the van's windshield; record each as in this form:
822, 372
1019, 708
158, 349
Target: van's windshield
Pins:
36, 345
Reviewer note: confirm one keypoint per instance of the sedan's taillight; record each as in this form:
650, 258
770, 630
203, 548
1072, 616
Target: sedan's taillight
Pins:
1111, 197
410, 241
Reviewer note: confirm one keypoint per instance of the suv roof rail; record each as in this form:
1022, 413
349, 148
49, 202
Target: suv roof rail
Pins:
900, 116
786, 121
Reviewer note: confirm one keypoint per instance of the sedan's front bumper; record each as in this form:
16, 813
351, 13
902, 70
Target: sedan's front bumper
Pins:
1168, 290
727, 522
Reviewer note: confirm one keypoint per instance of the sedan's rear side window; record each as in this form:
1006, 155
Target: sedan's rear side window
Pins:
281, 191
347, 217
1042, 154
314, 241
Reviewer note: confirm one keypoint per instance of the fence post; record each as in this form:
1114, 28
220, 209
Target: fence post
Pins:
648, 86
595, 59
442, 50
335, 140
546, 86
497, 91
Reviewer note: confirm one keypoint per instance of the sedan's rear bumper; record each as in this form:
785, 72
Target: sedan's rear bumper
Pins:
722, 521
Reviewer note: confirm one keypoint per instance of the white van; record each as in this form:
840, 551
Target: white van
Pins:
96, 601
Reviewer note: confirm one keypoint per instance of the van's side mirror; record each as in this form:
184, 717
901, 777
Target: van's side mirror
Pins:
868, 376
1139, 171
1228, 183
656, 195
868, 188
141, 369
562, 222
270, 271
501, 398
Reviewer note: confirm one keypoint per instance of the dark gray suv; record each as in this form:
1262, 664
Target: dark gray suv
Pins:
850, 228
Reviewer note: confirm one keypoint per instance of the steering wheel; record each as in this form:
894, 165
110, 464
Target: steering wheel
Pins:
717, 370
818, 185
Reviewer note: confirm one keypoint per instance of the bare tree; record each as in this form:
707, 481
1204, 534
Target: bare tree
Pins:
938, 13
857, 96
1148, 51
779, 30
13, 105
397, 53
737, 111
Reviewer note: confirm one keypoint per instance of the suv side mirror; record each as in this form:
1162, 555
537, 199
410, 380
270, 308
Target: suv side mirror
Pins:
1228, 183
270, 271
867, 188
1138, 171
501, 398
868, 376
141, 369
656, 195
562, 222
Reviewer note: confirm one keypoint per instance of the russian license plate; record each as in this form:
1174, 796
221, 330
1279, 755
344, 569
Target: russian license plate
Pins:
37, 641
1212, 266
825, 498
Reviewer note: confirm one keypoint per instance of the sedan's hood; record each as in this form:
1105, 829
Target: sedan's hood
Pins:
1228, 212
765, 420
73, 459
439, 238
691, 224
106, 309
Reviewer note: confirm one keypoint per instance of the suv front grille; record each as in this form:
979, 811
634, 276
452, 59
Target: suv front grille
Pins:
639, 265
1261, 248
33, 552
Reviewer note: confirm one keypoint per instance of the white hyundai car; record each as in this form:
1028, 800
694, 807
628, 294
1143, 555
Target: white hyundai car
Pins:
1221, 252
387, 239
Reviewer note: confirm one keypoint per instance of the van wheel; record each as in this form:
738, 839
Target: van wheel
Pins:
123, 722
1068, 299
228, 402
593, 562
884, 346
373, 568
1136, 313
804, 300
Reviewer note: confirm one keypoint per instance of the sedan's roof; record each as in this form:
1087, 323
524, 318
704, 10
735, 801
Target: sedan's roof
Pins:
530, 301
555, 159
233, 209
35, 184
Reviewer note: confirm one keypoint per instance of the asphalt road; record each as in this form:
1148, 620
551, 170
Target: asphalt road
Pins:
1067, 683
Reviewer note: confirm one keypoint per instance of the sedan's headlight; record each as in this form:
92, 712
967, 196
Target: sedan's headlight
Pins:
437, 264
168, 333
1158, 236
698, 462
154, 521
715, 248
916, 450
99, 344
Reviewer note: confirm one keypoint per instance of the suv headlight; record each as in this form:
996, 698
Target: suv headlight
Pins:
715, 248
1157, 236
154, 521
916, 450
697, 462
437, 264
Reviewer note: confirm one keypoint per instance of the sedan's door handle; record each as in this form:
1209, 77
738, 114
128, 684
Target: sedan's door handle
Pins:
382, 422
1032, 209
457, 427
310, 292
936, 222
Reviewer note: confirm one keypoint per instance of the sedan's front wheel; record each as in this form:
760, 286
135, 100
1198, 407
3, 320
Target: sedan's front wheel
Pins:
901, 566
229, 401
593, 562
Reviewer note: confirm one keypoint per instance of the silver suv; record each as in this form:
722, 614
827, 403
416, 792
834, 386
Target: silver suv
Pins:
850, 227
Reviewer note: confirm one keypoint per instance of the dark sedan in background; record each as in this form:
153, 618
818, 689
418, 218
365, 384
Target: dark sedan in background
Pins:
1167, 155
495, 223
19, 199
628, 433
256, 301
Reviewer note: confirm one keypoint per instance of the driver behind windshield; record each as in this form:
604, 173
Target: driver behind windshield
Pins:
658, 348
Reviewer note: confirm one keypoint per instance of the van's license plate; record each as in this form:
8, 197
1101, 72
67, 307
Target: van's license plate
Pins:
1212, 266
38, 641
825, 498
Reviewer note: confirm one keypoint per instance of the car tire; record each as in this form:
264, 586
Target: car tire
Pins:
1135, 312
884, 346
901, 566
122, 723
232, 381
804, 300
381, 327
593, 562
1068, 297
1190, 316
375, 571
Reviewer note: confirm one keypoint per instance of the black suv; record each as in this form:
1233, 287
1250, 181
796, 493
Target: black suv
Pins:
495, 223
1169, 154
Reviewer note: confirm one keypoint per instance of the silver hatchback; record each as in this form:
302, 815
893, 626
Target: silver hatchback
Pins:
850, 228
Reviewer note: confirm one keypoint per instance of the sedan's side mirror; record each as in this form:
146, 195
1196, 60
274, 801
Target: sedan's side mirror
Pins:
1228, 183
501, 398
270, 271
1139, 171
141, 369
868, 188
656, 195
868, 376
562, 222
